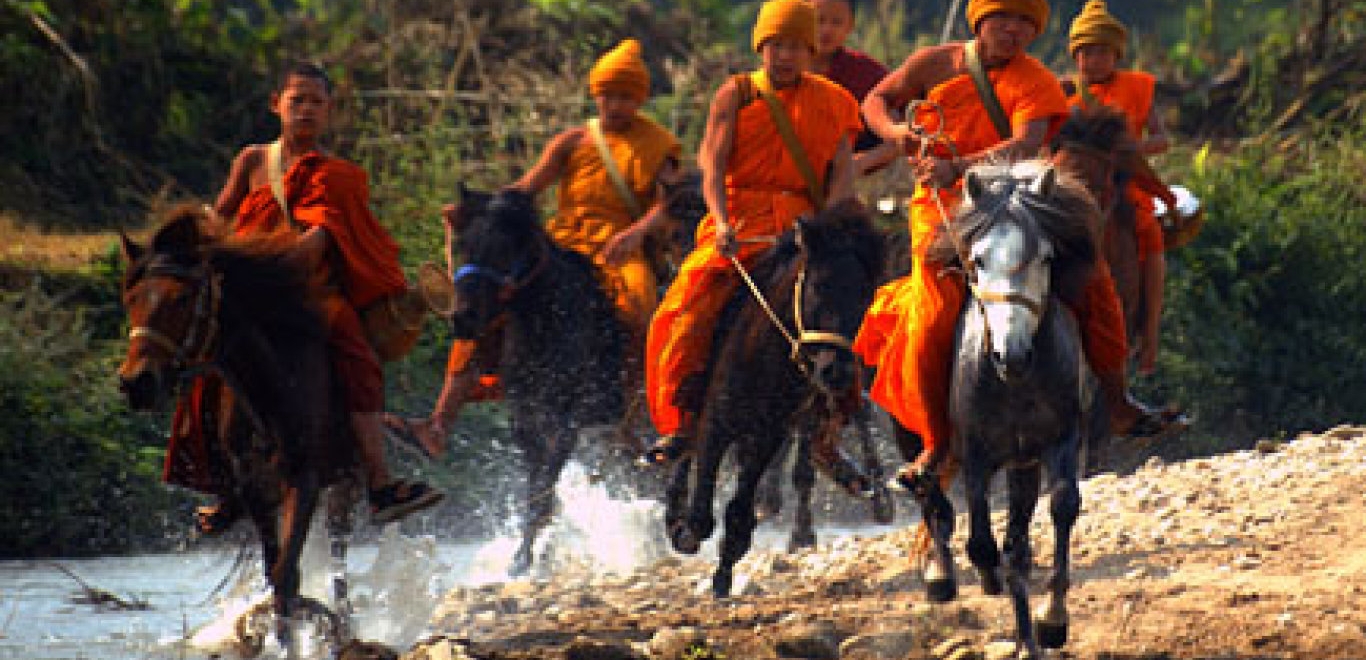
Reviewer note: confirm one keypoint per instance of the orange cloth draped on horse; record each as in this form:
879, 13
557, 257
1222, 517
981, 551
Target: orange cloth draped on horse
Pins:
908, 333
765, 193
1131, 92
332, 193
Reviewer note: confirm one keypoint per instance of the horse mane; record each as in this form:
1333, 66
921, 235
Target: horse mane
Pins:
845, 226
263, 278
1067, 218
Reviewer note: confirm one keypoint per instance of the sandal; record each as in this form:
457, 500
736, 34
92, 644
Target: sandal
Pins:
400, 498
1156, 424
405, 431
215, 519
666, 449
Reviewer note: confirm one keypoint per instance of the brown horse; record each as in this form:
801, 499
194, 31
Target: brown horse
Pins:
231, 317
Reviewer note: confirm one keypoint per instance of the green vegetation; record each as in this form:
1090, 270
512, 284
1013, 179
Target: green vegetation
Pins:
145, 101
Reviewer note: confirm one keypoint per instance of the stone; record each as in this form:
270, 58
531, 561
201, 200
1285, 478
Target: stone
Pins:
818, 640
878, 646
583, 648
674, 642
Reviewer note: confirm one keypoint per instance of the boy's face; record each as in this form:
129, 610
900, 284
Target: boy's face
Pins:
1096, 62
303, 106
785, 58
1005, 35
616, 109
834, 22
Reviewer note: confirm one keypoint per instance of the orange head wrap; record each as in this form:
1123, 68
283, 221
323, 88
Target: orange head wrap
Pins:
786, 18
621, 70
1095, 25
1036, 10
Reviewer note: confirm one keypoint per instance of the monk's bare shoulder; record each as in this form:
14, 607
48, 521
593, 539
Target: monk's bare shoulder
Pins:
928, 67
249, 168
726, 101
566, 142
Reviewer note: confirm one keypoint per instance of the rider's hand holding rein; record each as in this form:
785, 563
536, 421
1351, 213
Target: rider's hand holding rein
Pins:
933, 172
725, 238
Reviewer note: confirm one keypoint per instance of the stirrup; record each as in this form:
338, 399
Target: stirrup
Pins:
400, 498
918, 479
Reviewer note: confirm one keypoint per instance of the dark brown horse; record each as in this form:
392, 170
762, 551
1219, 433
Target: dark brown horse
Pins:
231, 318
771, 377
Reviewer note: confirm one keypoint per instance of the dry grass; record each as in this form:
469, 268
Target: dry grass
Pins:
32, 247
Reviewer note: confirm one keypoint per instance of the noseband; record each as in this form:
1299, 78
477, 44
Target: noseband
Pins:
508, 283
194, 347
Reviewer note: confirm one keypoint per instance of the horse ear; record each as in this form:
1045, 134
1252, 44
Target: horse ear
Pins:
1044, 184
131, 251
973, 186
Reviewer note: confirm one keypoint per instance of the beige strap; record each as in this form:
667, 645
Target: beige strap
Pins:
275, 170
1087, 98
985, 90
633, 205
789, 135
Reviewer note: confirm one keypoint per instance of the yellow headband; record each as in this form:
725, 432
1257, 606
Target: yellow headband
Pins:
622, 70
786, 18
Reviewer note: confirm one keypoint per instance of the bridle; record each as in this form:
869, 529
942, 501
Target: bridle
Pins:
509, 283
200, 337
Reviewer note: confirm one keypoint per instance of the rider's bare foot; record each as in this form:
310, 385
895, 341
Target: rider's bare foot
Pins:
422, 434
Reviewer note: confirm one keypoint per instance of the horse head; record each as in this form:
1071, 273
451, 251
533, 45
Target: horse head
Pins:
1094, 145
1024, 234
171, 295
504, 248
840, 260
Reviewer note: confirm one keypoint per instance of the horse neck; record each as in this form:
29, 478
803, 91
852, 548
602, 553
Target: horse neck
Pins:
561, 302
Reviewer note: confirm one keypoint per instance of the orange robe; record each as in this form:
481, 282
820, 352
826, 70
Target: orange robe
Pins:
765, 193
591, 211
1131, 92
908, 332
361, 268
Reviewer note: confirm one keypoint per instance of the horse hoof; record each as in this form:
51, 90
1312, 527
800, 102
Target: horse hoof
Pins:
684, 541
520, 566
1051, 635
941, 591
801, 541
884, 509
991, 583
720, 585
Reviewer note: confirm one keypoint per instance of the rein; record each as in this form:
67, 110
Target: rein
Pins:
198, 342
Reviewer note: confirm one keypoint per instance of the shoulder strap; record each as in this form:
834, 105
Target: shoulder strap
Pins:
275, 170
789, 135
624, 191
1085, 91
985, 90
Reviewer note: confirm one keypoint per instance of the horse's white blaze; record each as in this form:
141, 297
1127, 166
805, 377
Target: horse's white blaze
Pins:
1003, 271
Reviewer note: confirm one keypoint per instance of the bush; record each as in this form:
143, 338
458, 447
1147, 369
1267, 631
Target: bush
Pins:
1263, 322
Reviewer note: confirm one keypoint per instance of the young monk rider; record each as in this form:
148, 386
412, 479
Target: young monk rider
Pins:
594, 217
852, 70
1097, 43
908, 333
754, 191
328, 200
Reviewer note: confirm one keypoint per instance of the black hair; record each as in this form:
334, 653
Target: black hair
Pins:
304, 69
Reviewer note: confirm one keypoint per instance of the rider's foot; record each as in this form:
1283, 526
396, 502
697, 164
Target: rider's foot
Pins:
1135, 420
421, 434
397, 499
667, 449
214, 519
921, 475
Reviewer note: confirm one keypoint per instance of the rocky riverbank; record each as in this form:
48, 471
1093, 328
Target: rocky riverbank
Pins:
1253, 554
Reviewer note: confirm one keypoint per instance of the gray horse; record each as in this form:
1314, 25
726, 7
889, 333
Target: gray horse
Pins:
1025, 238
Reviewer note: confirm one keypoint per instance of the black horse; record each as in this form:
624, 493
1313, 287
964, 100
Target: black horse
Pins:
1026, 240
766, 381
562, 344
235, 313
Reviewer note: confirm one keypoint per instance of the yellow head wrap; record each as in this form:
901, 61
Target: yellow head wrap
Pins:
786, 18
1095, 25
621, 70
1036, 10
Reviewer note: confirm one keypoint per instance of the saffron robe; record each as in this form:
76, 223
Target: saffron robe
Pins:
765, 194
361, 267
908, 332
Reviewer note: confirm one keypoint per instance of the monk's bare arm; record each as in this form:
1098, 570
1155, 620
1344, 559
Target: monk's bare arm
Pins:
1155, 142
631, 239
841, 173
921, 72
248, 161
551, 166
713, 155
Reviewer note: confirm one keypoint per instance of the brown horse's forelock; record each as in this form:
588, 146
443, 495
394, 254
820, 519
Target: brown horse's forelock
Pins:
1100, 128
1067, 219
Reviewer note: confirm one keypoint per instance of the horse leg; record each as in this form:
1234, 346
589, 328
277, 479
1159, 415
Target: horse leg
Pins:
1023, 486
1064, 506
340, 504
769, 498
884, 509
701, 521
675, 507
545, 467
740, 518
299, 499
982, 549
803, 481
936, 510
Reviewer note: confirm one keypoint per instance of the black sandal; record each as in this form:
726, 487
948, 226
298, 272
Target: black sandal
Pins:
1156, 424
400, 498
215, 519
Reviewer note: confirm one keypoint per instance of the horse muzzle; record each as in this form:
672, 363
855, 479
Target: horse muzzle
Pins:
143, 389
